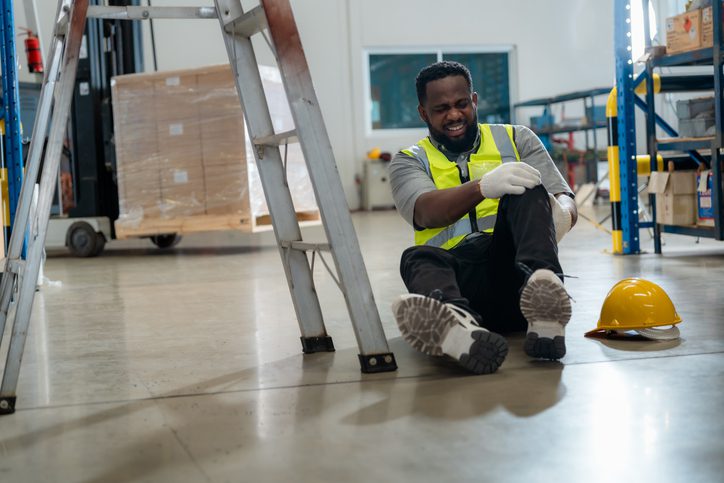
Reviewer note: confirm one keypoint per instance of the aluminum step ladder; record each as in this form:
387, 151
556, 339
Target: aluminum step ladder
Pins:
238, 26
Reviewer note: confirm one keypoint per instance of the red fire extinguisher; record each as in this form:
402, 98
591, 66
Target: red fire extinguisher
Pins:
32, 49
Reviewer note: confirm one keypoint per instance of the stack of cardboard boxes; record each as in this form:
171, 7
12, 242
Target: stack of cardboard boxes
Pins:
223, 150
179, 145
683, 198
182, 154
690, 30
137, 156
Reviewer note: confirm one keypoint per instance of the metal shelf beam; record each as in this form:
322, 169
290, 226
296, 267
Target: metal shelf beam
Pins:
567, 129
694, 57
699, 231
571, 96
684, 144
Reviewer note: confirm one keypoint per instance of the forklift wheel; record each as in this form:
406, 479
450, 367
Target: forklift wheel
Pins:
166, 241
83, 241
100, 244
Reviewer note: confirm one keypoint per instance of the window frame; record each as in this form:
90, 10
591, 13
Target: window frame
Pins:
439, 51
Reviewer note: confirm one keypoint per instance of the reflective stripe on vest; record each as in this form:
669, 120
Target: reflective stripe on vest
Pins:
496, 147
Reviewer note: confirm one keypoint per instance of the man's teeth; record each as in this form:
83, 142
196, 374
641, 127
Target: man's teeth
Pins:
457, 127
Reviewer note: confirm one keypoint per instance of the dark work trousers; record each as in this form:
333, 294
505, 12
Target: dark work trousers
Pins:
482, 274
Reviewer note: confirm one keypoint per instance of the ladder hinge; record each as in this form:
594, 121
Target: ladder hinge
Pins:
16, 267
63, 21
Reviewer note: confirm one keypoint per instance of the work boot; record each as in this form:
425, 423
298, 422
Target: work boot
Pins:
437, 328
546, 306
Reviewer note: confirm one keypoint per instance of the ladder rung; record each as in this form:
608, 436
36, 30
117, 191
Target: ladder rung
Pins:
145, 13
277, 139
304, 246
248, 24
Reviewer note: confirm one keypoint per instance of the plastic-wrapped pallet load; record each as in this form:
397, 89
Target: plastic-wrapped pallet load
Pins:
185, 162
297, 176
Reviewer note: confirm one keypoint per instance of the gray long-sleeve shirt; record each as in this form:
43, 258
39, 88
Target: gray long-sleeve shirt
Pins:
409, 179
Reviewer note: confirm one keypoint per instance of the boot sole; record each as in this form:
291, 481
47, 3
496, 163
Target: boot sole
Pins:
431, 327
547, 308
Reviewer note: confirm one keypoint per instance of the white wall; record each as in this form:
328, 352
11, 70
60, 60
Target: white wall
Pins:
560, 45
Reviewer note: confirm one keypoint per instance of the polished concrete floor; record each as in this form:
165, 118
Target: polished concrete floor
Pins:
185, 366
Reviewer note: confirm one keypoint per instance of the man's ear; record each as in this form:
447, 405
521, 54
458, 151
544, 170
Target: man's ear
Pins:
475, 100
421, 111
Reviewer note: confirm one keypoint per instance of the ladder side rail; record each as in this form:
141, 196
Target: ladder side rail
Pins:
325, 178
37, 141
271, 171
26, 292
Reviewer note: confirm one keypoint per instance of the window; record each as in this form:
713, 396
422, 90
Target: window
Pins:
393, 100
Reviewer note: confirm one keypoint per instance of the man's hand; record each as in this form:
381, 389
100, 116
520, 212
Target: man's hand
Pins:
509, 179
562, 216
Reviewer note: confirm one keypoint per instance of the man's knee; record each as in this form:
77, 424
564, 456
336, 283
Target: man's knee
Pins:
414, 255
420, 252
532, 195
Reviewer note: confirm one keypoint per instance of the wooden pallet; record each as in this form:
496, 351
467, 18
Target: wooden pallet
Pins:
202, 223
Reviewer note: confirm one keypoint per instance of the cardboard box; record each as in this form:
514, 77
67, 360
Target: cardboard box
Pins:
226, 189
179, 143
183, 191
675, 197
705, 209
222, 130
707, 28
683, 32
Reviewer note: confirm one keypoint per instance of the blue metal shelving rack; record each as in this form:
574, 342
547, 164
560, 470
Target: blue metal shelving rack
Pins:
11, 106
627, 100
712, 57
588, 98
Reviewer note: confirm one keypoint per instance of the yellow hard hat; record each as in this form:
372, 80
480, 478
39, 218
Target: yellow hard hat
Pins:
635, 304
374, 153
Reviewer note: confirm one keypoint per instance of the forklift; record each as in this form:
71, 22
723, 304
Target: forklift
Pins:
86, 202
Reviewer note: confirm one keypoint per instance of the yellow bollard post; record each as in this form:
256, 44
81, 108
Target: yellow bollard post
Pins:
614, 173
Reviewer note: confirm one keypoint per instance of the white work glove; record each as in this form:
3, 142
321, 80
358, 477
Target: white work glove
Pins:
562, 218
509, 179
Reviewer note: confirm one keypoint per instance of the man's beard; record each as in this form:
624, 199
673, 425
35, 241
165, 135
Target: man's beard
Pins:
461, 145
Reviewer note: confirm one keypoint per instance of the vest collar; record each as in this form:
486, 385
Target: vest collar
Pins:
454, 156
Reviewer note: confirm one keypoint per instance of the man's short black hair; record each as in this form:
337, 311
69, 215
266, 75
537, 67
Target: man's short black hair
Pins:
439, 70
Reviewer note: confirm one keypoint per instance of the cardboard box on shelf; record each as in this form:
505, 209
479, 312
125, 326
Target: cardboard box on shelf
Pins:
707, 28
683, 32
675, 197
705, 209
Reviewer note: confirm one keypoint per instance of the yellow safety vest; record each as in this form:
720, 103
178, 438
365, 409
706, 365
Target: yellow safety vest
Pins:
496, 147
